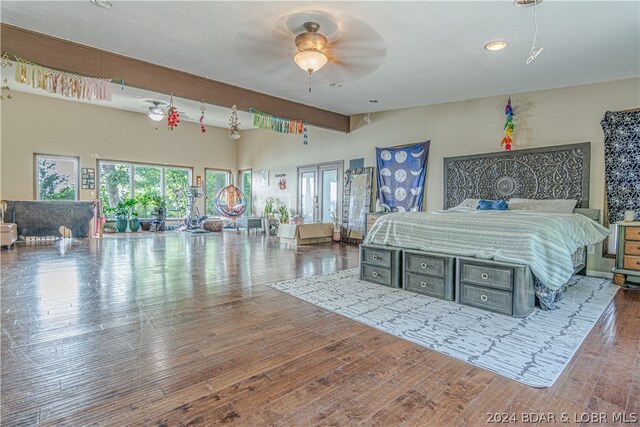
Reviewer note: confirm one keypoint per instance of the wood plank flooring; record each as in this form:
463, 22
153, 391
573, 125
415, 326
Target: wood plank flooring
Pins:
169, 329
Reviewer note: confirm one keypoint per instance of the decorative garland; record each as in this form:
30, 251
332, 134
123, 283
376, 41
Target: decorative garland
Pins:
202, 109
59, 82
173, 117
509, 126
279, 124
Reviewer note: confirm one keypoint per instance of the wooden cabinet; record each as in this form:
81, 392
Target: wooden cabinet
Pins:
381, 265
370, 219
628, 253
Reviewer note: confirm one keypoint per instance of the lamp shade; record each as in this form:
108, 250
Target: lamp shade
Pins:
310, 60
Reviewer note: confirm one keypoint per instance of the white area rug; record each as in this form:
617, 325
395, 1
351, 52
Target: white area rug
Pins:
532, 350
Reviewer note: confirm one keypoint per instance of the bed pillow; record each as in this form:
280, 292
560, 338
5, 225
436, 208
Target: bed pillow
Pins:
469, 203
495, 205
564, 206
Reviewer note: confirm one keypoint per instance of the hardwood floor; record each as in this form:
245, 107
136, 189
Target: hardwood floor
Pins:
166, 330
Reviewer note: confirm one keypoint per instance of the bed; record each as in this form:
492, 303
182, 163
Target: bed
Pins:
543, 249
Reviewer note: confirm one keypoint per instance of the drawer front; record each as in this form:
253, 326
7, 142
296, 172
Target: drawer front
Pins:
376, 274
428, 285
424, 264
376, 257
632, 233
494, 277
632, 262
632, 248
489, 299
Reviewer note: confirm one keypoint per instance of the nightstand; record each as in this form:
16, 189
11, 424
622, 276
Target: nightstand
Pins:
370, 219
628, 252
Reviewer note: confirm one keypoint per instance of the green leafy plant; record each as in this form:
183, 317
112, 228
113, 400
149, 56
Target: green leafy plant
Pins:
269, 206
284, 214
144, 200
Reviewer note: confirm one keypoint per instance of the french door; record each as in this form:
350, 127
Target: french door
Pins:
320, 191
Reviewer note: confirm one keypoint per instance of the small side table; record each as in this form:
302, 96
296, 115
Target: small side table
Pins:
370, 219
627, 253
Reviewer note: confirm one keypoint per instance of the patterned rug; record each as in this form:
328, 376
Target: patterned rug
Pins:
532, 350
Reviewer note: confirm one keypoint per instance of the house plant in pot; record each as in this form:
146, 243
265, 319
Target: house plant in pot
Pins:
337, 228
145, 201
134, 222
121, 210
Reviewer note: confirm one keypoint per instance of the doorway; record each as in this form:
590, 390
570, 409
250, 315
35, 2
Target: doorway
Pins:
320, 191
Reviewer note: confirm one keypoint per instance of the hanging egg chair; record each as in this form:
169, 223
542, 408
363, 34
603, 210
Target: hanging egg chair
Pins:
231, 202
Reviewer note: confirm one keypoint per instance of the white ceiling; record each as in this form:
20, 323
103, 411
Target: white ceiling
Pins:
403, 54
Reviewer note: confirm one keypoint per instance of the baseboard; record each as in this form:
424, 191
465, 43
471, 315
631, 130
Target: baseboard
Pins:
603, 274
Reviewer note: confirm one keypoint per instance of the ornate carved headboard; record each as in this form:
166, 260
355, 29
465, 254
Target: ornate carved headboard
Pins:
558, 172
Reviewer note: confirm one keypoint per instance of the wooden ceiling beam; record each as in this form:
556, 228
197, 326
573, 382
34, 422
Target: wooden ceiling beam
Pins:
88, 61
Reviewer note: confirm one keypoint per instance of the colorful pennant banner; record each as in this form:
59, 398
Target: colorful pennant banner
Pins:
279, 124
59, 82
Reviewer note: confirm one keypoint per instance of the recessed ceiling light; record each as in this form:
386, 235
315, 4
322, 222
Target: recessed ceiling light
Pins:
335, 85
105, 4
496, 45
373, 101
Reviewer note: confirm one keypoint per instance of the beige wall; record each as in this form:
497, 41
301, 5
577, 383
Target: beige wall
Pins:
36, 124
551, 117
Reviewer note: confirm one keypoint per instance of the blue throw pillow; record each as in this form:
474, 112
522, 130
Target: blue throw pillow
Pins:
497, 205
501, 205
485, 205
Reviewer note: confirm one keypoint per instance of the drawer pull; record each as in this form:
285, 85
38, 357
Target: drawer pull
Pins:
423, 284
375, 257
423, 265
374, 274
484, 276
483, 297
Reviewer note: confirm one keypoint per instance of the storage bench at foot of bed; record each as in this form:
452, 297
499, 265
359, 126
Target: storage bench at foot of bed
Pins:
495, 286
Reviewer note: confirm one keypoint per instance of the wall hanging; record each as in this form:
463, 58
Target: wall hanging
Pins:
509, 126
202, 110
58, 82
401, 176
234, 124
173, 117
279, 124
622, 162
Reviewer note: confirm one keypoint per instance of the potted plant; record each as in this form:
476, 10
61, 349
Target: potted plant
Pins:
121, 210
337, 229
145, 200
284, 214
159, 211
269, 207
134, 222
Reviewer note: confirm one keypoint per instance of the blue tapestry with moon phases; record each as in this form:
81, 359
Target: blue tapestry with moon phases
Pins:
401, 177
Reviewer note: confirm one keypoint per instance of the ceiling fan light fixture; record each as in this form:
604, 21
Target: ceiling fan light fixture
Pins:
496, 45
310, 60
155, 113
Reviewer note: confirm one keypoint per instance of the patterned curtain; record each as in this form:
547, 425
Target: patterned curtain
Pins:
622, 162
401, 176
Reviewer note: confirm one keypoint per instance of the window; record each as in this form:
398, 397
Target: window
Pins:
214, 181
56, 177
244, 181
120, 181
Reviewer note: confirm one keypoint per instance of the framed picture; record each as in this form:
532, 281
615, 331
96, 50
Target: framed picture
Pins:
265, 178
88, 179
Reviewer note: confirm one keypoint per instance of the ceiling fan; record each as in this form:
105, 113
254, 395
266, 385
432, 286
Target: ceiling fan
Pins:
345, 48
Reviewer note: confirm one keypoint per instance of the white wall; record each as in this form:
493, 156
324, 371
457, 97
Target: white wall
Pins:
37, 124
544, 118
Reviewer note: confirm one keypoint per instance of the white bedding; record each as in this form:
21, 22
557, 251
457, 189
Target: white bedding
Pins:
543, 241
